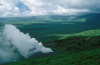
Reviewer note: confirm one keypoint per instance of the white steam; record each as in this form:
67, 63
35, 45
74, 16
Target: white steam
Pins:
14, 44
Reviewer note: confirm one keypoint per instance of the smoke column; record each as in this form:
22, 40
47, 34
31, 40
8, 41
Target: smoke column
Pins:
15, 44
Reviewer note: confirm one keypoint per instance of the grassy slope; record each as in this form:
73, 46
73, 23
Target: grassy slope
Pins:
85, 33
81, 58
77, 51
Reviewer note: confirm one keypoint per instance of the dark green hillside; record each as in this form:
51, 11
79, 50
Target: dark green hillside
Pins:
70, 51
76, 44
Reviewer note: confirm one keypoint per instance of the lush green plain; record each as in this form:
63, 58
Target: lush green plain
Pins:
47, 29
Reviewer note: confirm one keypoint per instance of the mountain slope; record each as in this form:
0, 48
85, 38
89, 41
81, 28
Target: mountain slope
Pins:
71, 51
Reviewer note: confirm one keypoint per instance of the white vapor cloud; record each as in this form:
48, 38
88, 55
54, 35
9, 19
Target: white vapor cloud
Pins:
47, 7
15, 44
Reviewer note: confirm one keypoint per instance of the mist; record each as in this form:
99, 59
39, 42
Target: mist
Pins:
14, 45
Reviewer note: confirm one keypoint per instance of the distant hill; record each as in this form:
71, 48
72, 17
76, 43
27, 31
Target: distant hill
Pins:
94, 19
89, 17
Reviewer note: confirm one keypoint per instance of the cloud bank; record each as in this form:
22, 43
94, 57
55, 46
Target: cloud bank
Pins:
47, 7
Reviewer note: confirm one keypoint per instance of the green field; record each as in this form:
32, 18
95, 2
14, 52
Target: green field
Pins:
88, 33
53, 30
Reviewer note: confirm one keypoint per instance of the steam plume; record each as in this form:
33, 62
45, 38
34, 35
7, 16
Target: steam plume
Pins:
14, 44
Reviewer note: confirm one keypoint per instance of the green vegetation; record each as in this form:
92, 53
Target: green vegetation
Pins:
85, 33
72, 51
82, 58
74, 39
50, 28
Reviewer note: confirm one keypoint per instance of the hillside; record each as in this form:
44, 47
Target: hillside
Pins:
71, 51
88, 33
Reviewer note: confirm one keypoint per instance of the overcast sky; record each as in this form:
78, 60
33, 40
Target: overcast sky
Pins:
47, 7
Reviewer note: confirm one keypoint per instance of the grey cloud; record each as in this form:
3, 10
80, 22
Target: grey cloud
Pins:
42, 7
